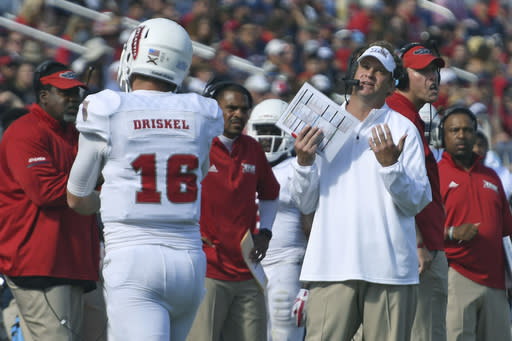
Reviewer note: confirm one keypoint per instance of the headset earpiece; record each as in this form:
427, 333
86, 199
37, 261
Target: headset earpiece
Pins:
403, 79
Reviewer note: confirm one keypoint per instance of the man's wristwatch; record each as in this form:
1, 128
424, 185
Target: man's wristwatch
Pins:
266, 232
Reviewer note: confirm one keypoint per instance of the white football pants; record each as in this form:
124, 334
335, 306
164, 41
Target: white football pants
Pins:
152, 292
282, 287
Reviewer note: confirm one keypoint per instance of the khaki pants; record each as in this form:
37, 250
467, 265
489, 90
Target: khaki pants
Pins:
52, 314
95, 316
475, 312
230, 311
430, 319
335, 311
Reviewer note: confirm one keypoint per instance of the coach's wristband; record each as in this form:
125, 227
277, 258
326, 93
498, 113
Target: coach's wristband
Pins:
450, 233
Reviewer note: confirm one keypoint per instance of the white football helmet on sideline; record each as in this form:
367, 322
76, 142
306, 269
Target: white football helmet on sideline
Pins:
261, 126
158, 48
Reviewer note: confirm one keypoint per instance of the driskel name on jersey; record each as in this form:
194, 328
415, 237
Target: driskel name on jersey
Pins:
160, 123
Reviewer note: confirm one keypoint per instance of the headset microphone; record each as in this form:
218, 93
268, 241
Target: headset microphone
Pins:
351, 82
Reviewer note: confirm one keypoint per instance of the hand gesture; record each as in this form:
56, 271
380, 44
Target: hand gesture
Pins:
306, 143
465, 232
383, 147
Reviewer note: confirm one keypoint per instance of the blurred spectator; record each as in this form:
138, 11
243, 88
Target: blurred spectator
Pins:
251, 42
8, 67
230, 42
199, 7
273, 50
259, 87
482, 114
14, 43
343, 45
78, 31
481, 22
447, 88
200, 74
322, 83
30, 13
22, 86
32, 52
491, 160
201, 30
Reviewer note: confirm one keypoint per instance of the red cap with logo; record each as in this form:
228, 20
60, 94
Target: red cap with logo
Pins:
419, 57
64, 79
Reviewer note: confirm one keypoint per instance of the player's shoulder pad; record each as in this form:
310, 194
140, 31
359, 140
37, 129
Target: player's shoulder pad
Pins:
210, 107
95, 111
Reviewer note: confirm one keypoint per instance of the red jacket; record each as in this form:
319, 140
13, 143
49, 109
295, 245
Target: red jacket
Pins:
476, 196
430, 220
39, 234
228, 205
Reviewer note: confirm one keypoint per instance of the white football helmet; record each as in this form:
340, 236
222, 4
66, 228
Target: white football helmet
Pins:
158, 48
261, 126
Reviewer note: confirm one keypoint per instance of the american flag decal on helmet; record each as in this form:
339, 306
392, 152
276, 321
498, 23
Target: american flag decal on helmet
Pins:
136, 41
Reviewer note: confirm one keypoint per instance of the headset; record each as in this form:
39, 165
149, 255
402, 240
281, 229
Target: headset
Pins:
403, 77
213, 89
456, 110
349, 80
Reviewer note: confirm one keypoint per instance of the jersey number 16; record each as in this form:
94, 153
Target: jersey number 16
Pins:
180, 182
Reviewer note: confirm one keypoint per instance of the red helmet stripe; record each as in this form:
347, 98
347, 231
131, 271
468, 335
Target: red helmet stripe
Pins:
136, 41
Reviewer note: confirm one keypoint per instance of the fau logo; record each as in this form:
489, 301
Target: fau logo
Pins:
490, 185
248, 168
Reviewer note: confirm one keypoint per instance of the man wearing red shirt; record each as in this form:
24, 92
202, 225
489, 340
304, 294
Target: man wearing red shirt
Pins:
234, 305
49, 253
419, 85
477, 217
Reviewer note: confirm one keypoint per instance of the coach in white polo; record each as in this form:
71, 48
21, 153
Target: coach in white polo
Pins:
361, 261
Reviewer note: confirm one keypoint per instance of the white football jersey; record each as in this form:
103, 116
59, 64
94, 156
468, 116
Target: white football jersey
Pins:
288, 241
158, 149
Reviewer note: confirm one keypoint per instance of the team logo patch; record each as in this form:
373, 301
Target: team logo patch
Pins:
248, 168
422, 51
453, 184
377, 49
490, 185
34, 161
68, 75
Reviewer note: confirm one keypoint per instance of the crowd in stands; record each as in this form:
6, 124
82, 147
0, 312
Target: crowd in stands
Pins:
292, 41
